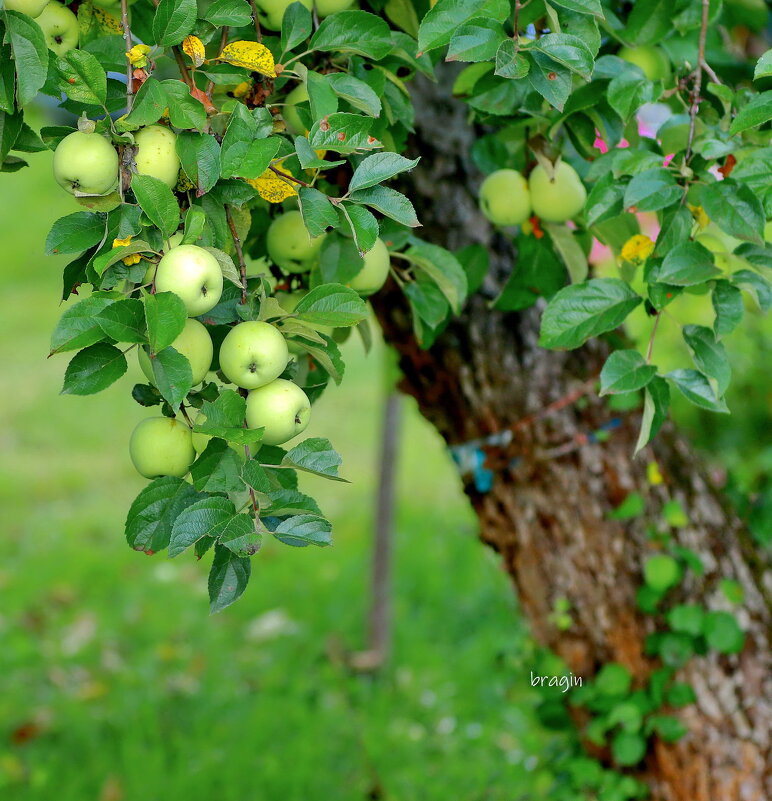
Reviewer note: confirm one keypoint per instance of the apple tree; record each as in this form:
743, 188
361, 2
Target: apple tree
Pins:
245, 174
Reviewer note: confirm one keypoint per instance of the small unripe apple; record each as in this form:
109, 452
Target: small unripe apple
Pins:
192, 273
157, 154
290, 114
289, 244
504, 198
31, 8
652, 61
253, 354
375, 271
194, 343
59, 26
86, 163
326, 7
161, 446
559, 199
281, 408
271, 12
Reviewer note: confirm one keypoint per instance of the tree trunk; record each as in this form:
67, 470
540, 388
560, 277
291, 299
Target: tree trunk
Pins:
553, 486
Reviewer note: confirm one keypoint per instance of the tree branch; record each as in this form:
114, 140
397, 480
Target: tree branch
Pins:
128, 45
258, 32
697, 86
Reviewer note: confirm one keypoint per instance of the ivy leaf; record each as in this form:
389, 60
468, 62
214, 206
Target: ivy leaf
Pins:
625, 371
173, 376
723, 632
656, 402
206, 517
93, 369
158, 202
315, 456
379, 167
694, 386
75, 232
581, 311
152, 515
735, 208
173, 21
228, 578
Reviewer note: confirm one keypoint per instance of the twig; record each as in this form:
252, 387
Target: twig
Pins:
239, 253
258, 32
710, 72
697, 86
285, 176
223, 42
181, 64
128, 45
515, 22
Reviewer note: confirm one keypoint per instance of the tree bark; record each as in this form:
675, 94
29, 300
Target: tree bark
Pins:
547, 510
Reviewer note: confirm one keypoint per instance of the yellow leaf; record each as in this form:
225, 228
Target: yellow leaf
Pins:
252, 55
637, 249
121, 243
272, 188
653, 473
138, 55
243, 89
107, 22
194, 49
700, 217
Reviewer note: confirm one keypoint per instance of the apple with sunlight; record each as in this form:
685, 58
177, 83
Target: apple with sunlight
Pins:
289, 244
271, 12
193, 274
253, 354
31, 8
289, 111
194, 343
558, 198
86, 164
157, 154
281, 408
161, 446
505, 198
375, 271
59, 26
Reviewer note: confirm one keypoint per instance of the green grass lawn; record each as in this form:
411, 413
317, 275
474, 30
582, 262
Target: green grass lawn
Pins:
132, 691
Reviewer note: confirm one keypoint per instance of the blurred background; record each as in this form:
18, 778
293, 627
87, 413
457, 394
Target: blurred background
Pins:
115, 683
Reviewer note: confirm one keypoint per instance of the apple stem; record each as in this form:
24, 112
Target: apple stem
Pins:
239, 253
128, 44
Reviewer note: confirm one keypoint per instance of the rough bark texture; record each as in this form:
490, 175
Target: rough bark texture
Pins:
547, 513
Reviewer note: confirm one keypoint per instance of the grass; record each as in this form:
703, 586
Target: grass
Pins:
116, 684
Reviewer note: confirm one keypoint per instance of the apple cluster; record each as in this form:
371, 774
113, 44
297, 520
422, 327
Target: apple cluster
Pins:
554, 194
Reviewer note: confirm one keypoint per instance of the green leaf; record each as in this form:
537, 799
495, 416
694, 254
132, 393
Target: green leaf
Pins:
315, 456
234, 13
441, 22
166, 315
173, 21
296, 26
10, 128
628, 748
200, 158
694, 386
185, 111
569, 250
355, 92
728, 306
105, 260
613, 680
75, 232
289, 502
158, 202
581, 311
239, 536
388, 202
680, 694
318, 213
82, 78
426, 300
30, 55
364, 226
537, 273
353, 32
228, 578
568, 50
476, 40
686, 618
687, 264
735, 208
755, 113
94, 369
224, 418
173, 376
243, 153
78, 327
581, 6
628, 91
667, 727
723, 633
153, 513
333, 305
656, 402
709, 355
343, 133
551, 80
444, 269
652, 190
757, 285
206, 517
123, 320
732, 590
763, 66
510, 61
625, 371
302, 530
217, 469
308, 158
379, 167
149, 104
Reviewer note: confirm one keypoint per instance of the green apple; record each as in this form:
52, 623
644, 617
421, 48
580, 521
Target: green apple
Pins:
290, 114
174, 240
375, 271
59, 26
253, 354
326, 7
157, 154
504, 198
559, 199
281, 408
271, 12
652, 61
768, 232
161, 446
192, 273
289, 244
194, 343
86, 163
31, 8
